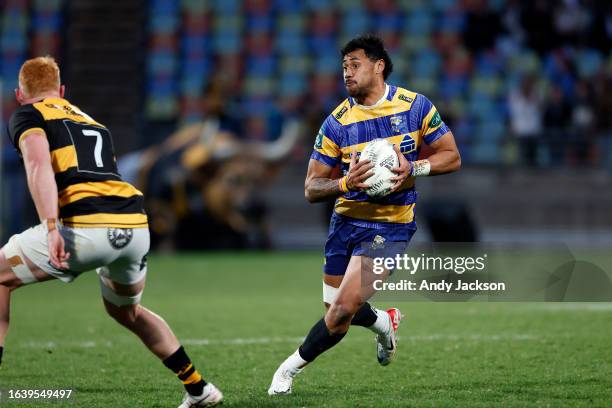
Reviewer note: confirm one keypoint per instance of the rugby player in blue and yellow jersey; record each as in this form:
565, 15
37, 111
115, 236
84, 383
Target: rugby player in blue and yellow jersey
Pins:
373, 110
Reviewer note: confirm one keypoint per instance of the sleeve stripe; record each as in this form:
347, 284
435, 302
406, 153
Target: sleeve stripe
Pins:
329, 161
329, 148
28, 132
438, 133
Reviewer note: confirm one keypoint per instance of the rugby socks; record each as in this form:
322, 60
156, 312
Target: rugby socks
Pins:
382, 325
181, 365
365, 316
374, 319
318, 341
1, 351
294, 363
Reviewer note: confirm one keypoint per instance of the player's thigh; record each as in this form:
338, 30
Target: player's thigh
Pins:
349, 291
121, 300
357, 286
122, 282
331, 283
337, 257
18, 269
375, 246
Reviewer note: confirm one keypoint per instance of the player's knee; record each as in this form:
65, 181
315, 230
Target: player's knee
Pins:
8, 284
341, 312
9, 281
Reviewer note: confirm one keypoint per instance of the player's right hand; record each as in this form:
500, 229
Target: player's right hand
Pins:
359, 171
57, 255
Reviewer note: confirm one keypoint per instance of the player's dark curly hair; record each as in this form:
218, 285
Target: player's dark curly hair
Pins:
373, 48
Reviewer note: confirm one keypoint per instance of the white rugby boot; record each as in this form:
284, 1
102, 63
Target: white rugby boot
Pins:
283, 377
282, 381
210, 397
386, 344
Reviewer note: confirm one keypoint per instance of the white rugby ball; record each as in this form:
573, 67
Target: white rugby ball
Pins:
380, 152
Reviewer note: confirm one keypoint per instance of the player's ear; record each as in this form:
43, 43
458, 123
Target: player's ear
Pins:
380, 66
62, 90
19, 96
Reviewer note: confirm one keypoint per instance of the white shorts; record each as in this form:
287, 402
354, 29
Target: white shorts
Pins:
118, 254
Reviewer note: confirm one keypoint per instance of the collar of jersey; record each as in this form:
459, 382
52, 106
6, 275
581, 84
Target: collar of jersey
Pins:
51, 99
381, 100
54, 98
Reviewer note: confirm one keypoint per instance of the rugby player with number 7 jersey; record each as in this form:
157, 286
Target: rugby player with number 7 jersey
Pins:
373, 110
89, 219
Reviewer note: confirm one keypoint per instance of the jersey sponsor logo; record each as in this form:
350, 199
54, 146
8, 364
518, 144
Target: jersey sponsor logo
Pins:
319, 141
120, 237
405, 98
398, 124
341, 113
407, 145
435, 120
69, 110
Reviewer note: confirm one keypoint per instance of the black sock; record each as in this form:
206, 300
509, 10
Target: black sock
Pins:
318, 341
1, 350
365, 316
181, 365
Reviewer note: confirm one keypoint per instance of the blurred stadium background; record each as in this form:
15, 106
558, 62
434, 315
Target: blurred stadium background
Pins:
203, 97
526, 88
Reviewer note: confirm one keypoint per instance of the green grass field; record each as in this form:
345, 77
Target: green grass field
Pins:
239, 315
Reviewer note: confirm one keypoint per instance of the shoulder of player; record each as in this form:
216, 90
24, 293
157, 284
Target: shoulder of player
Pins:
25, 111
340, 111
23, 118
404, 96
60, 108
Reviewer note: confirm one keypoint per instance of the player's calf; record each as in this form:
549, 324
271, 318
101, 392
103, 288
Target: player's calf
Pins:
122, 302
319, 340
325, 334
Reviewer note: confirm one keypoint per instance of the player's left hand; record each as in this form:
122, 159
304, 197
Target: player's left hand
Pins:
57, 255
403, 171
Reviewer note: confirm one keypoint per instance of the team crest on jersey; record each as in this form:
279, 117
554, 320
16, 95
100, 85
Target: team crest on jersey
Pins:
319, 141
407, 145
378, 242
398, 124
120, 237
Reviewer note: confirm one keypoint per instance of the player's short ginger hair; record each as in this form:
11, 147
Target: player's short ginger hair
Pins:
39, 75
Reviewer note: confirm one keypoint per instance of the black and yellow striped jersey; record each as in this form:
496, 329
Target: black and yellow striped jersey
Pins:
90, 190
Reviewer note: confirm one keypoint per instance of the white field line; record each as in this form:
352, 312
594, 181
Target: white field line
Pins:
564, 307
38, 344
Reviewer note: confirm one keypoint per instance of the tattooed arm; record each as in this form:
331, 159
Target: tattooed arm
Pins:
319, 185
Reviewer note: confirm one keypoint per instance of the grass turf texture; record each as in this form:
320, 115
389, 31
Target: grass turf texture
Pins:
450, 354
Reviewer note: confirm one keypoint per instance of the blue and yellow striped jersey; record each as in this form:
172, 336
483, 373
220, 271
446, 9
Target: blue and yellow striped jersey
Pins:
402, 117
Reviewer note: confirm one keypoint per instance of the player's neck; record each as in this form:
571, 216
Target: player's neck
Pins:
374, 97
41, 97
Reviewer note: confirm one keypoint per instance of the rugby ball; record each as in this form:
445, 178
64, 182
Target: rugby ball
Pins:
380, 152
